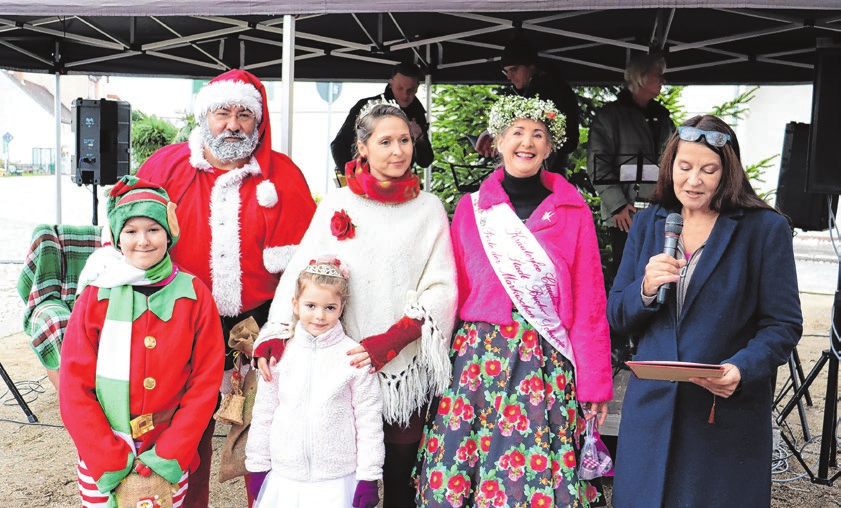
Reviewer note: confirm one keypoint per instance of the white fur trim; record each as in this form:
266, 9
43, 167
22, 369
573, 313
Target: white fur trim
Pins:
225, 267
196, 144
228, 93
266, 194
275, 259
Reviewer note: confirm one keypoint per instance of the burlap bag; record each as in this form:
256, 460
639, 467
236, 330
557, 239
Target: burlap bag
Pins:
231, 408
232, 461
152, 491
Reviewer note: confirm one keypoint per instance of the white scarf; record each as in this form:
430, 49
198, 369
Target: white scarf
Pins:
525, 271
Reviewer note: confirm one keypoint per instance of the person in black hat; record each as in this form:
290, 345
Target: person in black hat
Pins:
531, 77
402, 88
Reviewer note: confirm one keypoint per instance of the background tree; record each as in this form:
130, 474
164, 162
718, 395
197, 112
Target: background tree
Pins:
148, 133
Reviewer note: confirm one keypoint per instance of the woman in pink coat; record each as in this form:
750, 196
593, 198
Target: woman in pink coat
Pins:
532, 359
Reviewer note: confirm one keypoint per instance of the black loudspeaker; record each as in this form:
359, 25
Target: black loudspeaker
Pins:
103, 140
807, 211
824, 168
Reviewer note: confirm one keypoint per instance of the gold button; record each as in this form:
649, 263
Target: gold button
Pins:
149, 342
149, 383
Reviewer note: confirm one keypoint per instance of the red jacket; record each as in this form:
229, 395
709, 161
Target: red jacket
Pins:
239, 227
184, 359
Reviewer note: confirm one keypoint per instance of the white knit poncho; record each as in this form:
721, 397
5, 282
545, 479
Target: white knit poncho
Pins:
401, 263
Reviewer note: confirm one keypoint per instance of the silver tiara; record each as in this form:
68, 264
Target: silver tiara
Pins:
370, 105
330, 269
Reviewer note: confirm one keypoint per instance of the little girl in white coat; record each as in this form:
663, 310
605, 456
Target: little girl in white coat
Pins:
316, 435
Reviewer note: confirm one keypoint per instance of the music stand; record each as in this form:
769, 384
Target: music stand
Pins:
634, 168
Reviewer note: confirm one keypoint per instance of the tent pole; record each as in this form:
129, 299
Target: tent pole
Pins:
57, 157
287, 83
427, 171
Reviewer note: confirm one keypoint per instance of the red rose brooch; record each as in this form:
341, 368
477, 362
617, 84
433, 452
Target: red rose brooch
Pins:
341, 226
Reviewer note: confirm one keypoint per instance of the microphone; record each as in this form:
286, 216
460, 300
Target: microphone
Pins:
674, 225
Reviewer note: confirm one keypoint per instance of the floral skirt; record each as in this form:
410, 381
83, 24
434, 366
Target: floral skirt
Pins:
508, 431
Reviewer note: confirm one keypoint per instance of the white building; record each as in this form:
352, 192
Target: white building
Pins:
316, 122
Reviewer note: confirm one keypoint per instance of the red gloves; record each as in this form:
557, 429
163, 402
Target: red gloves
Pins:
384, 347
272, 348
143, 470
366, 495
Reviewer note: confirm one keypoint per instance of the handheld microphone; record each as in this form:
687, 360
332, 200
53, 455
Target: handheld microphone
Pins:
674, 226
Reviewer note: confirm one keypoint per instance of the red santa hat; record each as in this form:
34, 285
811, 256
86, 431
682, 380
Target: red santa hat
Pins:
239, 88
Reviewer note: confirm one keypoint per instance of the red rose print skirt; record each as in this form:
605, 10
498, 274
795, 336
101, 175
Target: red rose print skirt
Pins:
508, 431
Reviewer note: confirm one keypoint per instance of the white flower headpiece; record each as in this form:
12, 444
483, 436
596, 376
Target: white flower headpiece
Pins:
511, 107
367, 108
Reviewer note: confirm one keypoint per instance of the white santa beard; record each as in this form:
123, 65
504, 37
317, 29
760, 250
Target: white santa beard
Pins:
229, 151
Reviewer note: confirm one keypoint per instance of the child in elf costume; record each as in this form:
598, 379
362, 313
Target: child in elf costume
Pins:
142, 360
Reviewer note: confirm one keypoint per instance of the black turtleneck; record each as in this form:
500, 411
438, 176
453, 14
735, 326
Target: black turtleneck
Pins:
525, 193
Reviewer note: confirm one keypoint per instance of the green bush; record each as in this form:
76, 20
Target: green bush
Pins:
148, 133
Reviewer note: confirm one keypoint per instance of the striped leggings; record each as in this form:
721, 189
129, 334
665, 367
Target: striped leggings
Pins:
93, 498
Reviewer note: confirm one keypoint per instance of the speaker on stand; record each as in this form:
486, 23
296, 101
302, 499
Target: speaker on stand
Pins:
103, 143
806, 210
823, 177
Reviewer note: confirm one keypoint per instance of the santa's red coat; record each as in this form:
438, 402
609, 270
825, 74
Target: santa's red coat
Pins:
238, 227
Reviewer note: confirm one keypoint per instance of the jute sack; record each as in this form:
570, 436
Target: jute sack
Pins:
231, 408
153, 491
232, 461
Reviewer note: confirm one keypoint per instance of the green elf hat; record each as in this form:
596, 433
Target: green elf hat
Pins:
133, 197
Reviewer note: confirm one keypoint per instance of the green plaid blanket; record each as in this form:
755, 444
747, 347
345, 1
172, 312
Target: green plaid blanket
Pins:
47, 284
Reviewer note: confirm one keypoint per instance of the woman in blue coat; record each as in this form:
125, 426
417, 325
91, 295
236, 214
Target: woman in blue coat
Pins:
734, 302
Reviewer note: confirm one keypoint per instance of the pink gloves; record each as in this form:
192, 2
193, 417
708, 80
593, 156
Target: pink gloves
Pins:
255, 482
367, 494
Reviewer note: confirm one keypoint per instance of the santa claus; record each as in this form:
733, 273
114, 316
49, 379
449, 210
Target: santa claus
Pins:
243, 207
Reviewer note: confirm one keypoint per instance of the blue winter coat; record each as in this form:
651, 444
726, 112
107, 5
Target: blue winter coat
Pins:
742, 307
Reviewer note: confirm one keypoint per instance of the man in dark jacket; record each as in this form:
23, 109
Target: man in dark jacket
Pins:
634, 124
531, 77
401, 88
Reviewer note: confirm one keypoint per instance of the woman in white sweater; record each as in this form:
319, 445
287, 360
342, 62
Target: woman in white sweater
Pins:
403, 292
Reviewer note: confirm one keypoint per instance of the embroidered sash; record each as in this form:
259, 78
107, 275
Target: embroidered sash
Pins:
525, 271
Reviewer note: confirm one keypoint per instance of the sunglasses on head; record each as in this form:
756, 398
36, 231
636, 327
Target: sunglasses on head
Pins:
712, 138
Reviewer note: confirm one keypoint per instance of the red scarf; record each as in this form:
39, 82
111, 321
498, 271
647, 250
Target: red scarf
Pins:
392, 192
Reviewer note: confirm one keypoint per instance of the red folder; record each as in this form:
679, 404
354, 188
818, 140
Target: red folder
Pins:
674, 371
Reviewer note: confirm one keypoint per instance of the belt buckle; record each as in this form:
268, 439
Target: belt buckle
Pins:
141, 425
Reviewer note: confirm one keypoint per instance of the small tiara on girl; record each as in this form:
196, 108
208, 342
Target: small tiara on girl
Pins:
328, 266
370, 105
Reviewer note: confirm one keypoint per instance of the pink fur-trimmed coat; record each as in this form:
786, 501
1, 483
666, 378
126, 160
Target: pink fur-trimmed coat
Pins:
563, 225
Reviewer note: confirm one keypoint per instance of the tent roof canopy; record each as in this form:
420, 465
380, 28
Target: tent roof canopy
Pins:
723, 42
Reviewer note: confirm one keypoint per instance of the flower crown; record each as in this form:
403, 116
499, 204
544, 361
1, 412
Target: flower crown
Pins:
511, 107
370, 105
328, 266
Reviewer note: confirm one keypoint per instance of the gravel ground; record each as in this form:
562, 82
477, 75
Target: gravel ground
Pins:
36, 462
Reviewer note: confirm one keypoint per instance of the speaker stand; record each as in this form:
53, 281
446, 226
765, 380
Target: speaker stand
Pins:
18, 397
829, 444
95, 216
794, 382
